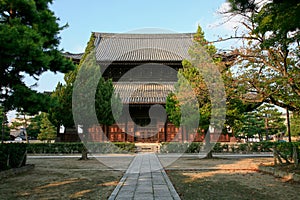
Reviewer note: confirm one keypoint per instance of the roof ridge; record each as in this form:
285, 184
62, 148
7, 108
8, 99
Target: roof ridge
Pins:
138, 35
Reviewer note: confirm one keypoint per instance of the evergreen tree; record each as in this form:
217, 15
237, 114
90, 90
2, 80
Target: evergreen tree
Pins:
87, 76
4, 127
29, 40
190, 75
274, 122
108, 105
265, 121
33, 129
198, 89
47, 131
93, 98
295, 125
60, 112
250, 125
267, 62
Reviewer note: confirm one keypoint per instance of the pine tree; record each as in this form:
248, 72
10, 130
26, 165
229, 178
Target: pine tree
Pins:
47, 131
29, 40
267, 62
295, 125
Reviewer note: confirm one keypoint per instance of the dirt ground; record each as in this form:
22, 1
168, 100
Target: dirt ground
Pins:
193, 178
228, 179
63, 178
193, 162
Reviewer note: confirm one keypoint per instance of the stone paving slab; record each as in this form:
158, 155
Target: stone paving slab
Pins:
146, 179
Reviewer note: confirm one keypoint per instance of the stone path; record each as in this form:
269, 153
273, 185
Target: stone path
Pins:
146, 179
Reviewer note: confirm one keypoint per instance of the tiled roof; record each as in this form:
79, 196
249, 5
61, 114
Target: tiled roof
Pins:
143, 92
142, 47
74, 56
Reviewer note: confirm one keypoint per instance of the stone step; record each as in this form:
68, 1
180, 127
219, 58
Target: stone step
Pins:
147, 147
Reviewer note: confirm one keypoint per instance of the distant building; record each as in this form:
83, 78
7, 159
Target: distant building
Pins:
160, 56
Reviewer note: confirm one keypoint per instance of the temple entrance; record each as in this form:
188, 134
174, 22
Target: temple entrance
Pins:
146, 134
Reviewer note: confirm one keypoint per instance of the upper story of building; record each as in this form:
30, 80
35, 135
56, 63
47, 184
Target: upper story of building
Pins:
158, 54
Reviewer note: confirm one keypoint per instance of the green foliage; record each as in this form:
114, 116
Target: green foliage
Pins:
68, 148
190, 79
13, 155
108, 105
34, 126
274, 121
93, 93
85, 86
295, 125
265, 120
47, 131
218, 148
196, 147
173, 109
29, 40
279, 18
243, 147
42, 148
3, 118
268, 61
249, 125
286, 149
177, 147
60, 112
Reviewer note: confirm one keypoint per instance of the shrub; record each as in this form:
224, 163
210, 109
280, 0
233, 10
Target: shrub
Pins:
218, 148
77, 147
243, 147
266, 146
13, 155
255, 147
225, 147
178, 147
286, 148
194, 147
173, 147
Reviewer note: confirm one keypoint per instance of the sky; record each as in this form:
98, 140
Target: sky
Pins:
120, 16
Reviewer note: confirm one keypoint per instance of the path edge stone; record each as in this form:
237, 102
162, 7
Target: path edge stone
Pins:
279, 173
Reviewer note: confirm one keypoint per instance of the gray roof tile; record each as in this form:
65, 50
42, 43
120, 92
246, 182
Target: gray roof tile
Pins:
74, 56
142, 47
143, 93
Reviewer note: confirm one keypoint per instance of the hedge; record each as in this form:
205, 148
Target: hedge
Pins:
195, 147
76, 147
286, 149
12, 155
177, 147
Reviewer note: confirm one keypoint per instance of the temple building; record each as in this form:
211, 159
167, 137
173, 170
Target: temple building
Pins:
143, 68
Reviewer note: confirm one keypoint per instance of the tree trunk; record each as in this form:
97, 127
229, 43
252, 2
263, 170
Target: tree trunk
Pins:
208, 146
84, 153
25, 127
209, 155
106, 131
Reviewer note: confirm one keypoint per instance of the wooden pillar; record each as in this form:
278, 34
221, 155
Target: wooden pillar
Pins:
126, 130
166, 131
134, 129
